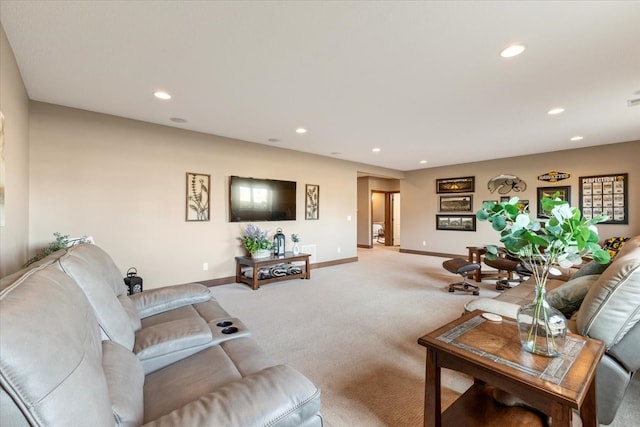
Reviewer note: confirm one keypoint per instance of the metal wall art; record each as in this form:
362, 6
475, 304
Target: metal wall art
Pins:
605, 195
312, 202
506, 183
198, 196
456, 185
554, 176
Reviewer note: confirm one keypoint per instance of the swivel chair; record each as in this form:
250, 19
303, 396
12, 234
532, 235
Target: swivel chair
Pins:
511, 266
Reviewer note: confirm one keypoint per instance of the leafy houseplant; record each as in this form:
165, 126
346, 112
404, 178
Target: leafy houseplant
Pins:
295, 239
256, 242
562, 239
59, 243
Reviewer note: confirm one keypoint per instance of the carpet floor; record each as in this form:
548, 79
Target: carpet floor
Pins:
353, 330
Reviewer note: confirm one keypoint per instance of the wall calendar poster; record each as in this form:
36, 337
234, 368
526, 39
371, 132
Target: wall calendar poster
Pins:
605, 195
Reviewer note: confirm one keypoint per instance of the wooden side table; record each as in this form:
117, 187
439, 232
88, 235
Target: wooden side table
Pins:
256, 263
491, 352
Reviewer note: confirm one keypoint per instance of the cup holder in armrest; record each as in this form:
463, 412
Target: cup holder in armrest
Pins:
226, 329
225, 324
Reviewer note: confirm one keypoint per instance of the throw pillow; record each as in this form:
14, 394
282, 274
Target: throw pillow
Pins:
568, 297
591, 267
614, 244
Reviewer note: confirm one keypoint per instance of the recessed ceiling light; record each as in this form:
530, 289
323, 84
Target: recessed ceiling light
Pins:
178, 120
336, 153
160, 94
273, 140
557, 110
301, 130
513, 50
376, 150
577, 138
423, 161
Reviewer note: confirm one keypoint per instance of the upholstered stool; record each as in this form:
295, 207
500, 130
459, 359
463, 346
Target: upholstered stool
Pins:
510, 266
462, 267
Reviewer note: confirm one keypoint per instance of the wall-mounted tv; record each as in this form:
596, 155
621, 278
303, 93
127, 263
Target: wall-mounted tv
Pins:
252, 199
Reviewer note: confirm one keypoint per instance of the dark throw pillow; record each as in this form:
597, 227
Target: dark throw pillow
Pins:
568, 297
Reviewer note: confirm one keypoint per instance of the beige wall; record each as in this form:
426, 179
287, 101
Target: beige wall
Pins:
123, 182
420, 201
14, 105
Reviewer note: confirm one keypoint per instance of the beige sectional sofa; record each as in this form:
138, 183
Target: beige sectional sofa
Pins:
76, 350
603, 305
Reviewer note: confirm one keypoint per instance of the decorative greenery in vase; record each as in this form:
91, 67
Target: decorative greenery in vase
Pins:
255, 239
295, 238
561, 240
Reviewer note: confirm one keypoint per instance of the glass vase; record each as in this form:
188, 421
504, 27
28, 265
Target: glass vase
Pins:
541, 327
295, 249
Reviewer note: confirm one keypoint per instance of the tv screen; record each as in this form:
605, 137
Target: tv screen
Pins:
252, 199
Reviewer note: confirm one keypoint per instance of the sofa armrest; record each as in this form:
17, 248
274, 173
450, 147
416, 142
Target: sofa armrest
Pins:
275, 396
159, 300
491, 305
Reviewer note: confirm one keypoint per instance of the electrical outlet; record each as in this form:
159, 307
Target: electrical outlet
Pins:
424, 243
339, 250
205, 266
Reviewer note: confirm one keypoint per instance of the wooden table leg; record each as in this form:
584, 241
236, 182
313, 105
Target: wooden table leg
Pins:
255, 277
561, 415
588, 410
432, 399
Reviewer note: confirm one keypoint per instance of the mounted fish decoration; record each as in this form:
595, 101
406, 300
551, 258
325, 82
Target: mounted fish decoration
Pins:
506, 183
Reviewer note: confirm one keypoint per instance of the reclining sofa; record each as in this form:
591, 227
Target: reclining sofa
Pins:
601, 302
77, 350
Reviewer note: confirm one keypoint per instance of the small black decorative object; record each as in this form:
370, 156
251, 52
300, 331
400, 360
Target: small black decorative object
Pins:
133, 281
279, 243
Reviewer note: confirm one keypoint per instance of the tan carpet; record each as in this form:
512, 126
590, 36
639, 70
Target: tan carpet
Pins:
353, 330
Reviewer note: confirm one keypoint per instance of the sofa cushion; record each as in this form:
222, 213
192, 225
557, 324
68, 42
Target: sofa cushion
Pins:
50, 363
610, 308
96, 274
589, 268
568, 297
125, 379
159, 300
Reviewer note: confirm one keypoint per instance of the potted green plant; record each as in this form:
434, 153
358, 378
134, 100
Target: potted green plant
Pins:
256, 242
295, 249
562, 239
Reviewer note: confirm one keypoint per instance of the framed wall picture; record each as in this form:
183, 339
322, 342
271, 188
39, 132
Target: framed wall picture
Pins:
605, 195
312, 202
564, 192
197, 200
456, 222
456, 185
462, 203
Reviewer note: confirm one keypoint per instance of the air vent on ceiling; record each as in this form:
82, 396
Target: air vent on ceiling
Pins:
633, 102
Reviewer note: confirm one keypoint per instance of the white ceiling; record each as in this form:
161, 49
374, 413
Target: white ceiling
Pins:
420, 80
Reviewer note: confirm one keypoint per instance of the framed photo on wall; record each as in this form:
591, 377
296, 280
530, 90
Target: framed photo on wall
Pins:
605, 195
197, 201
312, 202
564, 194
456, 222
462, 203
456, 185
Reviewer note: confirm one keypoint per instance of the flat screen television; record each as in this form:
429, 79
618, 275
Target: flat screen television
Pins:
252, 199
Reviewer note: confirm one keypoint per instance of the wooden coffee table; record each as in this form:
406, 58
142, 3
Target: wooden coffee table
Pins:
491, 353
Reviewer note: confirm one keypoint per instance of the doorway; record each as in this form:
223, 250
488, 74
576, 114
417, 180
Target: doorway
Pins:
385, 218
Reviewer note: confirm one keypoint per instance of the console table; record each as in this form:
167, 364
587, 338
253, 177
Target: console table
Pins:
491, 352
256, 263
